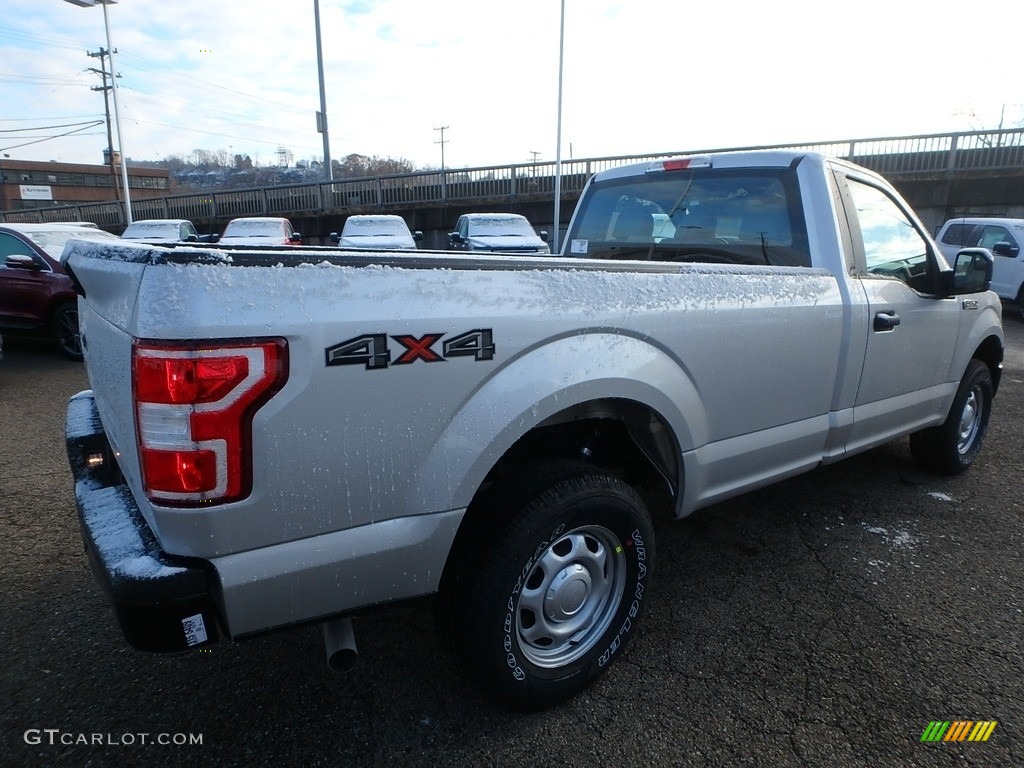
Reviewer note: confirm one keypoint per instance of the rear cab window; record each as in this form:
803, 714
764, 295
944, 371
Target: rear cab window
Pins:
703, 215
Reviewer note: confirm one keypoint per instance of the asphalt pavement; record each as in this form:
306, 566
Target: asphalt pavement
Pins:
828, 620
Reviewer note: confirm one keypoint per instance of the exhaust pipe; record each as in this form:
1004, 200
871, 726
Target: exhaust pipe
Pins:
340, 643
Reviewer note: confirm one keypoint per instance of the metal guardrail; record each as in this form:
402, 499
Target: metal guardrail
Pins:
894, 157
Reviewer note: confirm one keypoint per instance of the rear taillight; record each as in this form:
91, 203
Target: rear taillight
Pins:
194, 407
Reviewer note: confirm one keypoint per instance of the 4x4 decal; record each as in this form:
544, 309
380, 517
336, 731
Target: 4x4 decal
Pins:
372, 350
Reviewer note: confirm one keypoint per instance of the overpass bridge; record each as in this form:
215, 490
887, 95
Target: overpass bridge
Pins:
940, 175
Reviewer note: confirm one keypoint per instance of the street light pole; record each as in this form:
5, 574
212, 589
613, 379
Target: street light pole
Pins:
321, 121
117, 111
558, 137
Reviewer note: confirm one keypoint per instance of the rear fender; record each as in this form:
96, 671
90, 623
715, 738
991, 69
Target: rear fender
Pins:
547, 380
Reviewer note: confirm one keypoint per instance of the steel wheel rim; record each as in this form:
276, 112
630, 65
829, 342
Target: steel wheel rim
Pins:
570, 596
970, 420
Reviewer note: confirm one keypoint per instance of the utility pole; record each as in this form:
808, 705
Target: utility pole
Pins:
101, 54
442, 142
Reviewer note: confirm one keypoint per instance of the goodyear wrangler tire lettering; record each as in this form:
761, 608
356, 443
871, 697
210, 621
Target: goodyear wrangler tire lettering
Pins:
547, 582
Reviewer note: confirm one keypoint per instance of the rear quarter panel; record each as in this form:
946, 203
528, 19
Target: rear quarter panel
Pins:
343, 446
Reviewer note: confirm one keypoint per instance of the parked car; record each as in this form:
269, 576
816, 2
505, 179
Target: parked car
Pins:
260, 230
384, 232
504, 232
36, 295
1001, 236
162, 231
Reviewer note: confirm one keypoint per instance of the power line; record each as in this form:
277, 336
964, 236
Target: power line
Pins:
58, 136
89, 123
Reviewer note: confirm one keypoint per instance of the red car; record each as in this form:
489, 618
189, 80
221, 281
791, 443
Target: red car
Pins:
36, 296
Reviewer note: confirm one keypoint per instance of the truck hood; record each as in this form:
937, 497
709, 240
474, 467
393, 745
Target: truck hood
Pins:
508, 243
378, 242
253, 240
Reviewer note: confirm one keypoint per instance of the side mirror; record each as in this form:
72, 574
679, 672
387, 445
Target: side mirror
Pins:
417, 235
544, 235
20, 261
192, 239
295, 239
455, 238
972, 272
1003, 248
335, 238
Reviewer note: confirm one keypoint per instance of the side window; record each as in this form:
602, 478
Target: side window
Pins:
12, 246
963, 235
892, 245
992, 234
464, 227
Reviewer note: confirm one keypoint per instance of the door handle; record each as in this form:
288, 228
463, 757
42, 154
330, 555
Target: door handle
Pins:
886, 321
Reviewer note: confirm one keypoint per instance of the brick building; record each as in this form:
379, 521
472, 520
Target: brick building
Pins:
31, 184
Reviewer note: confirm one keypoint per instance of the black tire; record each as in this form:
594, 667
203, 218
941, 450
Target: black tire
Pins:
1020, 302
546, 582
952, 447
65, 330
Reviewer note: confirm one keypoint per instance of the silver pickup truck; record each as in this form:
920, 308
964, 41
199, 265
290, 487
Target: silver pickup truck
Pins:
280, 437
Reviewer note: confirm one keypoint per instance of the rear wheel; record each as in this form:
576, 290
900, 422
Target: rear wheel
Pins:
952, 447
65, 330
546, 582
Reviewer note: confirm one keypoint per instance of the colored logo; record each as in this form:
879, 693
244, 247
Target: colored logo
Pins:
958, 730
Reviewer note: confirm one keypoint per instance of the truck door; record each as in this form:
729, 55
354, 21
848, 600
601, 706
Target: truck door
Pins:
904, 379
1008, 268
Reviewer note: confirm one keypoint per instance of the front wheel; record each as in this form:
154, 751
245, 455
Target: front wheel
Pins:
546, 582
952, 447
65, 330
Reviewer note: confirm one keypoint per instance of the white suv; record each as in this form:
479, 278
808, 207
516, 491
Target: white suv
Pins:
1001, 236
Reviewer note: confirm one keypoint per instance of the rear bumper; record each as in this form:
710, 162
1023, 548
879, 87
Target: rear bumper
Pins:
162, 602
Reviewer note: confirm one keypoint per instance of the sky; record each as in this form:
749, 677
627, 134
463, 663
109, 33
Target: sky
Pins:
639, 76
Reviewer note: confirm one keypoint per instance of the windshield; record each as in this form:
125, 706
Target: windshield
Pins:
151, 229
742, 216
254, 228
500, 226
53, 241
373, 227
